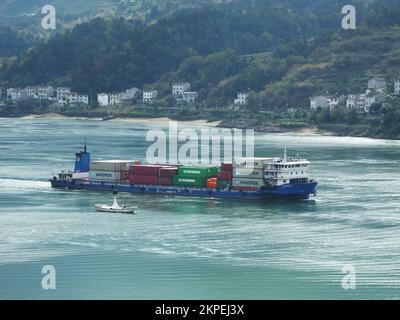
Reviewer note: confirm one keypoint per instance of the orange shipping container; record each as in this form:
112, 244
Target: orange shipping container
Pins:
212, 183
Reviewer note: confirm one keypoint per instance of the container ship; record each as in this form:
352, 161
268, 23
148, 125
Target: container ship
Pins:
268, 178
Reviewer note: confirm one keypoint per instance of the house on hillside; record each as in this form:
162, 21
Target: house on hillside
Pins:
128, 96
150, 96
61, 93
178, 88
319, 102
241, 98
102, 99
397, 87
327, 101
114, 99
377, 84
17, 94
357, 102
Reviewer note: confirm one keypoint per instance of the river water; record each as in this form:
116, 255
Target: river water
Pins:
193, 248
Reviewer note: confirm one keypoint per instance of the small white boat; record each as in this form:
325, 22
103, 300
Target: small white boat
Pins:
115, 208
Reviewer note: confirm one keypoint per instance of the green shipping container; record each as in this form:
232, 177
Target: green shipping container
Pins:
204, 172
188, 181
223, 184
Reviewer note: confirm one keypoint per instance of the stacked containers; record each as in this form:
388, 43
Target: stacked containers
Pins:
189, 176
225, 176
111, 170
248, 174
152, 174
166, 174
146, 174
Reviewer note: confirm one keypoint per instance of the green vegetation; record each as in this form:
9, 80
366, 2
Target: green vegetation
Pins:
283, 52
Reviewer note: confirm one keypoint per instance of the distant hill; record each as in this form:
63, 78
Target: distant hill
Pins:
24, 16
286, 50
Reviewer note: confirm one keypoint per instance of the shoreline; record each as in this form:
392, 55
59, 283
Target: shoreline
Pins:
308, 131
159, 120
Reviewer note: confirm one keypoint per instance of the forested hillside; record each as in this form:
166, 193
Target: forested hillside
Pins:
24, 16
287, 50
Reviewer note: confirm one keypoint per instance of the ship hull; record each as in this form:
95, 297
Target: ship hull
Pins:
288, 191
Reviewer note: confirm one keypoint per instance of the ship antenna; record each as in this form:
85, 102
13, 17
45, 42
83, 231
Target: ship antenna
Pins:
285, 154
85, 146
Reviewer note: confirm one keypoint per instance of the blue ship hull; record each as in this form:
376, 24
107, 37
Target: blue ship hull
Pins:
287, 191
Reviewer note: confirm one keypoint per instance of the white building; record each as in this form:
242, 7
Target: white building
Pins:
83, 99
150, 96
397, 87
190, 96
357, 102
31, 92
377, 83
328, 101
129, 95
319, 102
335, 100
179, 88
103, 100
75, 98
114, 99
39, 92
61, 94
45, 92
241, 98
16, 94
71, 98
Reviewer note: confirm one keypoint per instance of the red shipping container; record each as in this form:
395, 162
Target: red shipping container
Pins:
146, 170
227, 167
141, 179
244, 188
165, 181
225, 175
167, 172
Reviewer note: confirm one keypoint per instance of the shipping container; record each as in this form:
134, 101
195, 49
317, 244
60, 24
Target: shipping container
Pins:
168, 172
80, 175
224, 184
250, 163
212, 183
248, 173
247, 182
124, 175
226, 167
113, 165
189, 181
203, 172
145, 170
141, 179
165, 181
111, 176
225, 175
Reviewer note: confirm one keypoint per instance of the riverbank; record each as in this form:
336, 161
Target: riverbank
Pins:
299, 128
308, 131
159, 120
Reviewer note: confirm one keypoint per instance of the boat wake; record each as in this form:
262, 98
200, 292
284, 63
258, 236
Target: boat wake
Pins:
8, 185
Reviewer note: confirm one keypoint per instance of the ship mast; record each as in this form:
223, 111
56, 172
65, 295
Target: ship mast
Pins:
285, 154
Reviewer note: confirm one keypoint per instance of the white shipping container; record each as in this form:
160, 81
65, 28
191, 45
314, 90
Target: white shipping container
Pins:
80, 175
111, 165
105, 176
246, 182
251, 163
248, 173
